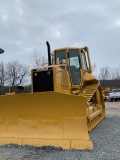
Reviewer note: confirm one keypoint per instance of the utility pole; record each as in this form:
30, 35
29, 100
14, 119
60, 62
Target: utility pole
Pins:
1, 51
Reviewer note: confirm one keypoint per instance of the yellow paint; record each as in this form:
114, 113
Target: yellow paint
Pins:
33, 117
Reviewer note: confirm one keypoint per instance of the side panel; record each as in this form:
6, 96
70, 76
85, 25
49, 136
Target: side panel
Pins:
42, 81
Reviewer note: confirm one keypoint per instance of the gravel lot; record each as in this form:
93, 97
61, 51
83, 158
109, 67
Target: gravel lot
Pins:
106, 139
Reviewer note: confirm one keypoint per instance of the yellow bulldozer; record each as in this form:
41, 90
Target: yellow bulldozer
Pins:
65, 103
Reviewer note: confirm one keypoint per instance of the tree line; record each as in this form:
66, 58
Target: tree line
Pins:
14, 74
106, 72
109, 77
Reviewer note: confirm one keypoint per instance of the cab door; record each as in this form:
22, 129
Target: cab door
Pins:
74, 66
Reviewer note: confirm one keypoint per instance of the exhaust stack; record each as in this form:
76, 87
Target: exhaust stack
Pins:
49, 53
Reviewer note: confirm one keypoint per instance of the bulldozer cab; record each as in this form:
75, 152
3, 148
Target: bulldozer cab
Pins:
72, 59
65, 73
77, 61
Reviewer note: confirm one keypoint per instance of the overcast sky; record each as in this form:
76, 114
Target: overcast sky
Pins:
26, 25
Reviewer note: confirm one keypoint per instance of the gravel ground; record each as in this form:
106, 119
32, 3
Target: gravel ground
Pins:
106, 139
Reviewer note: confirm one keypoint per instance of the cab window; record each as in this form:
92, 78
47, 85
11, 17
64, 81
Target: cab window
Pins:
85, 61
60, 57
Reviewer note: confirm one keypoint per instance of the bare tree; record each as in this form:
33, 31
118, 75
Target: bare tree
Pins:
104, 73
116, 73
39, 59
16, 73
94, 69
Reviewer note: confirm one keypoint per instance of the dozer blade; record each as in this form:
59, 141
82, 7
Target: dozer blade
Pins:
44, 119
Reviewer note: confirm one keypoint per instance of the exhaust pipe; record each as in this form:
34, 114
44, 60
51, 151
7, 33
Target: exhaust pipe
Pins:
49, 53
